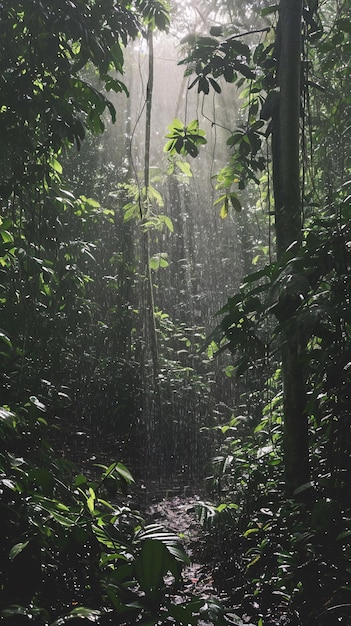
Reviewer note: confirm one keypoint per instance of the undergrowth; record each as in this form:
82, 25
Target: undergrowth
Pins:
279, 560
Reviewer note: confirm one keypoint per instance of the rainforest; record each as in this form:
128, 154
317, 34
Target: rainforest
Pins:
175, 312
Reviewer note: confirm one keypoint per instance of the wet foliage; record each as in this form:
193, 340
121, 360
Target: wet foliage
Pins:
280, 561
68, 552
111, 366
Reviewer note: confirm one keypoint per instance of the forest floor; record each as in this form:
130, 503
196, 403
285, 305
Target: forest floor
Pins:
178, 514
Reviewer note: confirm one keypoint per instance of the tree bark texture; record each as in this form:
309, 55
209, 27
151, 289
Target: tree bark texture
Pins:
288, 222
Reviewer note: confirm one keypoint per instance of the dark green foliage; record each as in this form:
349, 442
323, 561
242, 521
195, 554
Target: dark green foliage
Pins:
212, 59
65, 546
154, 12
288, 561
309, 291
67, 552
231, 60
187, 387
275, 557
46, 102
72, 350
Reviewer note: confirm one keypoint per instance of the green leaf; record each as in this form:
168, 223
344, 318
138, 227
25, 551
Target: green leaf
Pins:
152, 564
203, 85
240, 48
15, 609
250, 531
91, 500
93, 203
10, 484
169, 146
176, 124
92, 615
193, 126
179, 554
224, 209
156, 531
55, 165
185, 168
235, 202
207, 43
80, 480
124, 472
254, 561
158, 260
5, 339
167, 221
131, 211
245, 70
6, 236
346, 534
17, 549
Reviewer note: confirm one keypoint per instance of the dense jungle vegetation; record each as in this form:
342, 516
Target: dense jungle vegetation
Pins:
175, 251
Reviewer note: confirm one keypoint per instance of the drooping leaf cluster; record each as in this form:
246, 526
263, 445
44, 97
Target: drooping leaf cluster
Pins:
184, 139
46, 101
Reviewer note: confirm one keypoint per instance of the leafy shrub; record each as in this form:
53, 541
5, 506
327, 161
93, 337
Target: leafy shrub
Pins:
275, 556
67, 552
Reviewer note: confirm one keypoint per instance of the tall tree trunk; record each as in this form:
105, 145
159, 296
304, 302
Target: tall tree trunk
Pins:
288, 222
153, 402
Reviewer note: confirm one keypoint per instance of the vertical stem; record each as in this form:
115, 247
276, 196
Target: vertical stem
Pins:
149, 90
150, 299
150, 335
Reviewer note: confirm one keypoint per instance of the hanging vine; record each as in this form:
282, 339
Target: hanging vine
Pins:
150, 334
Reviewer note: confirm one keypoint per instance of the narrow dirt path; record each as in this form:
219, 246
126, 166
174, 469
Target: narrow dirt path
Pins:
177, 514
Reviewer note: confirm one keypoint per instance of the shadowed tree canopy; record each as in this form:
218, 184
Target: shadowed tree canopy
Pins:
47, 99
